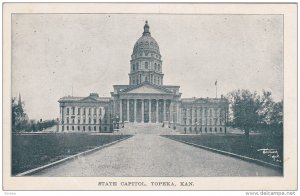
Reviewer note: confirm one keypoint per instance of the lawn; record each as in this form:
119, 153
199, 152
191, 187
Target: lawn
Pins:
31, 151
239, 144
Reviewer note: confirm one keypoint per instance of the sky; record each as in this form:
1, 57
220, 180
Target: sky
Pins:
91, 52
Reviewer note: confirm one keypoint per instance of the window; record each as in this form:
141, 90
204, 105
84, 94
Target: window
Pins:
94, 128
89, 111
83, 111
67, 120
155, 66
146, 65
104, 128
133, 67
89, 128
73, 120
215, 129
68, 111
89, 120
78, 111
95, 110
67, 128
210, 129
73, 110
84, 121
137, 66
95, 121
133, 81
220, 129
72, 128
83, 128
78, 120
78, 128
158, 67
62, 128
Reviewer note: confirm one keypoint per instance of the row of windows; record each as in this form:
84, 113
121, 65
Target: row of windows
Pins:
84, 121
147, 54
215, 120
89, 128
136, 67
210, 111
84, 111
190, 129
153, 79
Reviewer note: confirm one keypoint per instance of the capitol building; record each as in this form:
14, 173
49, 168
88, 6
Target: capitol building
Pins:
144, 100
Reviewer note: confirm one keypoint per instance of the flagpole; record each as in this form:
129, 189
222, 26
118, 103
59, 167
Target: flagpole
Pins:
216, 84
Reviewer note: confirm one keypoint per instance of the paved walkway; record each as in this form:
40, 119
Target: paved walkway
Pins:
153, 155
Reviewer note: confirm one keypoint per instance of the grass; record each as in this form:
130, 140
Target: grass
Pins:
31, 151
240, 145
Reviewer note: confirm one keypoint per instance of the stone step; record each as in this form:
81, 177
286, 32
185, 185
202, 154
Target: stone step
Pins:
146, 128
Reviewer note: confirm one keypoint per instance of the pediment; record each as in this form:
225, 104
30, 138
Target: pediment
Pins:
89, 99
146, 89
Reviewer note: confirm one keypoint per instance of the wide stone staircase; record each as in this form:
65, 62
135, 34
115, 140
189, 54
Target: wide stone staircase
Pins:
146, 128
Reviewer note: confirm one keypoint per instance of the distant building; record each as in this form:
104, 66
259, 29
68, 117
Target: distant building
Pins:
145, 100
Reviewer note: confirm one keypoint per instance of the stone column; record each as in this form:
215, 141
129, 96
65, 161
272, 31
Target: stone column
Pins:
177, 110
171, 112
120, 110
142, 110
157, 110
149, 110
128, 110
164, 112
134, 110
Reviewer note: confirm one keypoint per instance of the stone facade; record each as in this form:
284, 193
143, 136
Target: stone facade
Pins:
144, 100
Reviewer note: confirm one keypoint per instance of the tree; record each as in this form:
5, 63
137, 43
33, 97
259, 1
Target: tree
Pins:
265, 108
276, 118
251, 111
244, 106
19, 117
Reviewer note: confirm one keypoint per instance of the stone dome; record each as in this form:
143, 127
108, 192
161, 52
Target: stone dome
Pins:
146, 43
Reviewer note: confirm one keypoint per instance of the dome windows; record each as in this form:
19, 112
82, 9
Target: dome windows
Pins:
155, 67
158, 67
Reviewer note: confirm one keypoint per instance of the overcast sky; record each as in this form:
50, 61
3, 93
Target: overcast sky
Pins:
50, 52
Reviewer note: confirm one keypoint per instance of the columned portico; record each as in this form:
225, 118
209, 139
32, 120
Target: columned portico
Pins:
151, 110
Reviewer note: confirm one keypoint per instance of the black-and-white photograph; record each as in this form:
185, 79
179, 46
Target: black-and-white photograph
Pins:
147, 95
